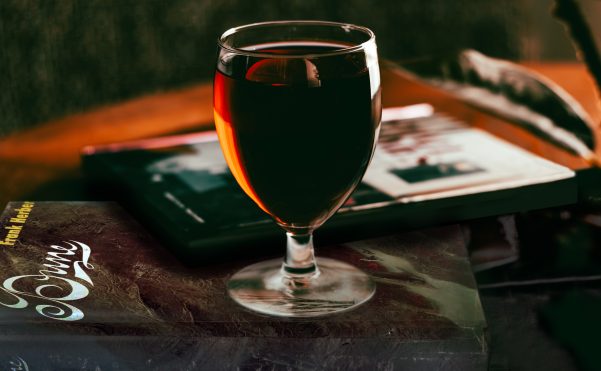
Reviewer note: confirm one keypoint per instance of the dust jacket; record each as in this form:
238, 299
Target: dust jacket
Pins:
84, 286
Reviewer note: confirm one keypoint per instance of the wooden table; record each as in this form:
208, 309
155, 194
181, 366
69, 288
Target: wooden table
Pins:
32, 159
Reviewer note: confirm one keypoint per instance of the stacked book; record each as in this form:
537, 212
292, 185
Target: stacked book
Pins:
84, 286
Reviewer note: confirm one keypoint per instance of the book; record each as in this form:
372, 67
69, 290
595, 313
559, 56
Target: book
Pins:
428, 168
85, 286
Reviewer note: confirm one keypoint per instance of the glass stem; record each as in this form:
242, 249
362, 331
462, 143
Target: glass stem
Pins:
300, 258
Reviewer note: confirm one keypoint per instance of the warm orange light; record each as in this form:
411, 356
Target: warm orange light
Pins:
228, 142
230, 151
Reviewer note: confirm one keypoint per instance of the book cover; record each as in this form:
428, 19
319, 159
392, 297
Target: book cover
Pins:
428, 168
84, 286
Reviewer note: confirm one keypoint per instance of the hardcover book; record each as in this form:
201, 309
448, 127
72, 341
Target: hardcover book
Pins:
84, 286
428, 168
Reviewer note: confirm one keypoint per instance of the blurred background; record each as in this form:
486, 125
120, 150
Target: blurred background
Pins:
63, 57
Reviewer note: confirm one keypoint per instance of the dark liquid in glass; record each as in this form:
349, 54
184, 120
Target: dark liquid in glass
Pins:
298, 134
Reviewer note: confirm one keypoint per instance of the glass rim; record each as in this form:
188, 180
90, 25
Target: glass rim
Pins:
222, 39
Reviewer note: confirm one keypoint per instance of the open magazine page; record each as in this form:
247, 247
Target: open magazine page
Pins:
439, 156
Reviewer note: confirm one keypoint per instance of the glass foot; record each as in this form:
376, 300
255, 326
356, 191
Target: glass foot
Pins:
334, 288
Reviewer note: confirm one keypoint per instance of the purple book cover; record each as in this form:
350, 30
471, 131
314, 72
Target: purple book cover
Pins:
84, 286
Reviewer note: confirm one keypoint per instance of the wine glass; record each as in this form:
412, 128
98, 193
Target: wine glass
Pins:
297, 110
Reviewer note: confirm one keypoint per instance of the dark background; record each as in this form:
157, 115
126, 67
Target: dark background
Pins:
62, 57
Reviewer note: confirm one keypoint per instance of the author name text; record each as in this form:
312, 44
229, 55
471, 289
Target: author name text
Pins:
13, 228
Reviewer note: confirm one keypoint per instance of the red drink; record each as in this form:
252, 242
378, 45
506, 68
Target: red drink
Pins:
297, 133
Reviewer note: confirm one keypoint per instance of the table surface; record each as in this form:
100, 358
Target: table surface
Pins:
43, 163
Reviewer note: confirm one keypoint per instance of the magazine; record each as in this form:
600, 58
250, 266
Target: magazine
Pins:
428, 168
